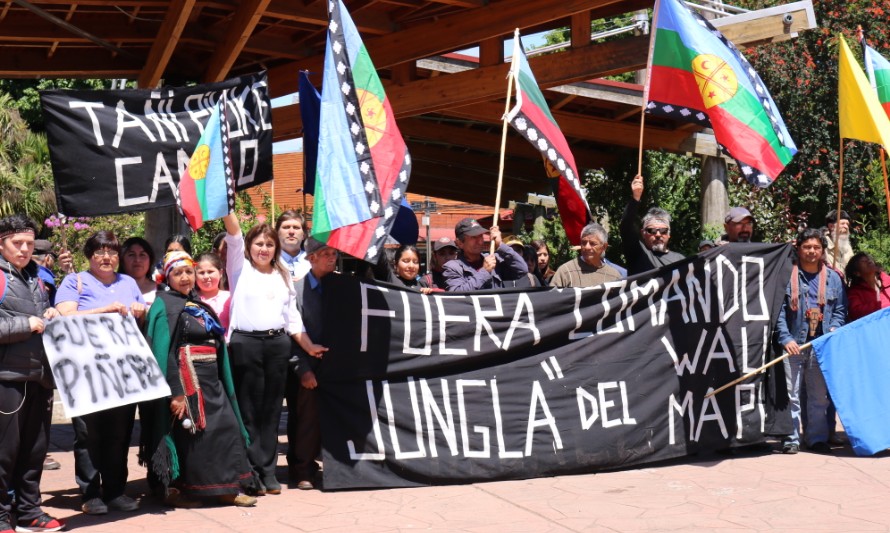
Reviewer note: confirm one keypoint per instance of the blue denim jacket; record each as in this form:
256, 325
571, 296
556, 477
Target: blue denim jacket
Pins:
793, 326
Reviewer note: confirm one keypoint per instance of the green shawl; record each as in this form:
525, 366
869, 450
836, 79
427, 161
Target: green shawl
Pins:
158, 451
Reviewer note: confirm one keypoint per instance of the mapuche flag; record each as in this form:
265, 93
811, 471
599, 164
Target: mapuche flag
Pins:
879, 75
532, 119
363, 163
206, 190
697, 75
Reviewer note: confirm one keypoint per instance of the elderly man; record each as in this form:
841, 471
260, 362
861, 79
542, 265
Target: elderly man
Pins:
645, 249
837, 236
26, 384
739, 225
473, 271
815, 304
589, 268
303, 429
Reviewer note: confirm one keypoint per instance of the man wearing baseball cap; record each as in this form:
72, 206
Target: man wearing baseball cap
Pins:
444, 250
739, 225
473, 271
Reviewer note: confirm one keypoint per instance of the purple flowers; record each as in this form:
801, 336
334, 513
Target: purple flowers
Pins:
73, 223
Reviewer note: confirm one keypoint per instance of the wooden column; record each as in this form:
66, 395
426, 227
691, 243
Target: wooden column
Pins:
714, 198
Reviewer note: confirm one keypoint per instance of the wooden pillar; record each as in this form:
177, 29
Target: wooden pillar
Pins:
714, 198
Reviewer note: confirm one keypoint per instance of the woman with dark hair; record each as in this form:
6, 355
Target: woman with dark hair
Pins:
263, 320
869, 286
174, 243
136, 260
202, 453
543, 252
406, 266
102, 440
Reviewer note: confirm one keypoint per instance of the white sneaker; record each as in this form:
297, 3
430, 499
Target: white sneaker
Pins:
94, 506
123, 503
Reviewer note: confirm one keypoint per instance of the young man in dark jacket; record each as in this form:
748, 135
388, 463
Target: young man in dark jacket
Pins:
26, 386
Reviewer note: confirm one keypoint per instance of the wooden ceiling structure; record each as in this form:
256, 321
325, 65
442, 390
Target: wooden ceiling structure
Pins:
448, 106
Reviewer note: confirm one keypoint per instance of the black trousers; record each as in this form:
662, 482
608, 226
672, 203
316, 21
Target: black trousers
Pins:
259, 368
101, 446
24, 438
303, 430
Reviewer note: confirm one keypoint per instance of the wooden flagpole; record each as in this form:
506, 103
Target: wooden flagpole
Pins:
756, 371
510, 76
272, 207
837, 220
886, 186
646, 86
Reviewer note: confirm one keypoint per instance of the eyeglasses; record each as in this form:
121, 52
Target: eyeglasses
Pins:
105, 252
658, 231
592, 244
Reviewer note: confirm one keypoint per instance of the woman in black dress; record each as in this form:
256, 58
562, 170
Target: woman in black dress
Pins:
197, 438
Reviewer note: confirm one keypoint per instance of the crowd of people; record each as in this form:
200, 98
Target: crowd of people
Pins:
236, 332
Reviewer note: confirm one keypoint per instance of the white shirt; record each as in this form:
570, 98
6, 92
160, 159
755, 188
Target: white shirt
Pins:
259, 301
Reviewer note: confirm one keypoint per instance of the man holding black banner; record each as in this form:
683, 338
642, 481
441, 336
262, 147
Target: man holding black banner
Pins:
26, 385
472, 271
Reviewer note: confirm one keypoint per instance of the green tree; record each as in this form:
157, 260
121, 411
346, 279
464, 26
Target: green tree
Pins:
25, 173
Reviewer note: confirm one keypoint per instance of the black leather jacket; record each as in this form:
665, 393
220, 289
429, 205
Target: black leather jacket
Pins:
22, 357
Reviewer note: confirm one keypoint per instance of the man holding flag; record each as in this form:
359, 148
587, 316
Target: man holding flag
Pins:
815, 304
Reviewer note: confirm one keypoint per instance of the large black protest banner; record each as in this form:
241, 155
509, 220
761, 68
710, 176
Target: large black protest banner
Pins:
125, 150
456, 388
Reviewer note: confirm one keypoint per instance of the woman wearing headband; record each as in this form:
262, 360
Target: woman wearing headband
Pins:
195, 441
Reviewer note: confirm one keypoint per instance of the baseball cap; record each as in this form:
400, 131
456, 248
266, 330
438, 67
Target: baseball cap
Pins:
737, 214
312, 245
443, 242
468, 227
43, 247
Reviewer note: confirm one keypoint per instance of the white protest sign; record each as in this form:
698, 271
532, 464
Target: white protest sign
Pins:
101, 361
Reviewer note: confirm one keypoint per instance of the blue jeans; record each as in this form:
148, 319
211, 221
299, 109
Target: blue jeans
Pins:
804, 372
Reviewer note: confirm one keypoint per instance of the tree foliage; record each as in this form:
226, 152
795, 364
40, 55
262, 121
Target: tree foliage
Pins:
25, 174
802, 77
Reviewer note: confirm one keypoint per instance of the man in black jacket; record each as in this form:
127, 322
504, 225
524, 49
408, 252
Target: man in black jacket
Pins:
645, 249
303, 425
26, 386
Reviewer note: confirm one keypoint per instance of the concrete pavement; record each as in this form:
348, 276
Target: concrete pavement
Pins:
749, 492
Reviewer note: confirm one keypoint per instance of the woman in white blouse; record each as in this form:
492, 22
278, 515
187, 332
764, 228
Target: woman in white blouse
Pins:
264, 319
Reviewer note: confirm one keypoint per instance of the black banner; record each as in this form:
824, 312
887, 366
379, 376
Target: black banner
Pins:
458, 388
122, 151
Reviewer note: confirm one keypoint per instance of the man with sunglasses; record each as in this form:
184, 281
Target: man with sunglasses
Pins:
645, 249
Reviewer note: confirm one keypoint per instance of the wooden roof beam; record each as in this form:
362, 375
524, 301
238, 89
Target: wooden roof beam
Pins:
431, 131
585, 127
448, 33
244, 21
457, 159
369, 23
487, 83
66, 63
167, 39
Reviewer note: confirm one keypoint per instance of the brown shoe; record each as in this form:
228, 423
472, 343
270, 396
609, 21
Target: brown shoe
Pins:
305, 485
238, 500
180, 501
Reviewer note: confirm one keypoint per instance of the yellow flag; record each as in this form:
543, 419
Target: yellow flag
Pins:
860, 113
